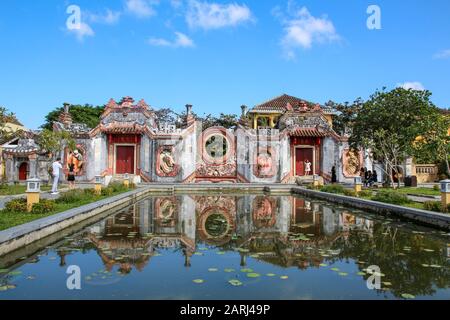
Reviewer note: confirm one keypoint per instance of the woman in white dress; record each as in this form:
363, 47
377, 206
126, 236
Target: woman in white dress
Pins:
307, 168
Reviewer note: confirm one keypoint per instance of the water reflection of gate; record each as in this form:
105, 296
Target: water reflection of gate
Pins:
278, 229
216, 218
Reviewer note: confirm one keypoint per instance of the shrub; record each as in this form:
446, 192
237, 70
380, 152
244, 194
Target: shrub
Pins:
16, 205
350, 193
333, 188
435, 206
44, 206
71, 196
392, 197
436, 188
365, 193
89, 192
107, 191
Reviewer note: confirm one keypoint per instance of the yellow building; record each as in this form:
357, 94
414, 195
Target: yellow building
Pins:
10, 128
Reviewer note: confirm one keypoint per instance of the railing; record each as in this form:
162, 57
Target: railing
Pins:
426, 169
426, 173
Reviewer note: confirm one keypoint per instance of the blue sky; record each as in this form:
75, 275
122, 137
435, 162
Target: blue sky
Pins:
217, 55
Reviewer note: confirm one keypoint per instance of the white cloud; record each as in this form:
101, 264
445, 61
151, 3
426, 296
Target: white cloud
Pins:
109, 17
302, 30
205, 15
176, 4
181, 41
141, 8
411, 85
444, 54
83, 31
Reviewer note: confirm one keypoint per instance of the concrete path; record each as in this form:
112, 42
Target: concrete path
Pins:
423, 199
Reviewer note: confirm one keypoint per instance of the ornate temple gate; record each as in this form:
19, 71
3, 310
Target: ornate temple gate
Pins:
302, 149
123, 153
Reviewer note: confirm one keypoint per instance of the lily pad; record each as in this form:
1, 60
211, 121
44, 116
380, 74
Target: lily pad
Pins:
253, 275
31, 277
323, 265
428, 250
229, 270
386, 283
221, 252
198, 281
271, 274
334, 269
15, 273
361, 273
343, 274
246, 270
235, 282
284, 277
213, 269
198, 253
408, 296
4, 270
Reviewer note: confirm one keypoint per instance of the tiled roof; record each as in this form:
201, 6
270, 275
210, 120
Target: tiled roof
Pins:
122, 128
279, 103
308, 132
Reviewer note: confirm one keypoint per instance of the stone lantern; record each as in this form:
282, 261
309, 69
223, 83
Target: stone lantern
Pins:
316, 181
445, 194
33, 192
357, 184
98, 184
126, 181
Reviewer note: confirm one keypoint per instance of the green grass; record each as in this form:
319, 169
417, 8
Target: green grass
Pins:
6, 190
419, 191
415, 205
12, 219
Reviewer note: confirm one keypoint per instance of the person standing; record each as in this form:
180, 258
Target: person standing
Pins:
56, 167
333, 175
71, 176
307, 167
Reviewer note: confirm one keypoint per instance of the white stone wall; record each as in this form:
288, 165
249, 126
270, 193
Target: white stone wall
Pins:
329, 155
99, 156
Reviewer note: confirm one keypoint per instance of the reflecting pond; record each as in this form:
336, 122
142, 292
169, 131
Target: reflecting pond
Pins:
237, 247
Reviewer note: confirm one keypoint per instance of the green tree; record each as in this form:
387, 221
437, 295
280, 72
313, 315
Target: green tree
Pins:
346, 115
53, 142
389, 123
86, 114
434, 145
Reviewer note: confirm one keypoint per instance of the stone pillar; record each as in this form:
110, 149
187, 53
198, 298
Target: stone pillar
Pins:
10, 172
33, 166
244, 109
189, 117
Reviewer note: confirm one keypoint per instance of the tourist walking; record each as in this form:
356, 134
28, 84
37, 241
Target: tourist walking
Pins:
56, 167
307, 167
71, 176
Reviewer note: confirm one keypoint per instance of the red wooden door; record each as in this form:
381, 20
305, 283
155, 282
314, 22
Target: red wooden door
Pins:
23, 171
125, 160
301, 155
